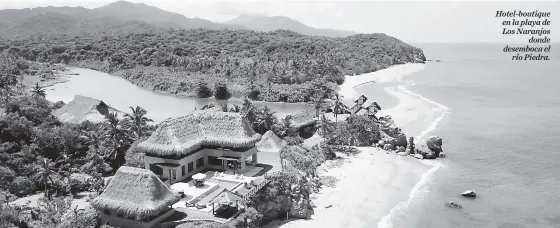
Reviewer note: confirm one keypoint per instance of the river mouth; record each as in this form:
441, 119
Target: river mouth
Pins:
121, 94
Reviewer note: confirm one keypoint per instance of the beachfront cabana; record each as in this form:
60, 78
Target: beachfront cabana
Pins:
135, 198
83, 108
226, 203
202, 139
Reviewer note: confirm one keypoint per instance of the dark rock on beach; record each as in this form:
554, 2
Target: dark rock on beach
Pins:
469, 193
452, 204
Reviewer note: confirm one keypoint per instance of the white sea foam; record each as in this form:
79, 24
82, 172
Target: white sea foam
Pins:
422, 185
439, 107
415, 193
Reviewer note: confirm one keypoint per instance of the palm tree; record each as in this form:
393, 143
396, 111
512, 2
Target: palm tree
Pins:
138, 120
337, 107
235, 108
45, 175
265, 120
318, 102
95, 137
117, 138
287, 125
38, 91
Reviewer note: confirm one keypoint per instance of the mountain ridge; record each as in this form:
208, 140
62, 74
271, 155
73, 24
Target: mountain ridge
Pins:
123, 17
264, 23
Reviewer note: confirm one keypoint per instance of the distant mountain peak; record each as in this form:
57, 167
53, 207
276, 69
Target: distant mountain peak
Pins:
158, 17
265, 23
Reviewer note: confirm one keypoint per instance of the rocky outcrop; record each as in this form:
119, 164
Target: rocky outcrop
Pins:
432, 149
469, 193
410, 146
401, 140
389, 146
434, 143
452, 204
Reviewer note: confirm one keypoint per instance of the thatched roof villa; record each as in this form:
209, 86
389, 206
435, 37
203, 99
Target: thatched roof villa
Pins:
184, 146
271, 143
303, 122
303, 118
269, 150
135, 198
84, 108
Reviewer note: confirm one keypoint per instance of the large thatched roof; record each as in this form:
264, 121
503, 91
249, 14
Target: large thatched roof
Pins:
270, 142
135, 192
84, 108
303, 118
200, 128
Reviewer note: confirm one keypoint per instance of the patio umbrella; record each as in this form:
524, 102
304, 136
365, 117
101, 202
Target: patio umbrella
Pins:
199, 176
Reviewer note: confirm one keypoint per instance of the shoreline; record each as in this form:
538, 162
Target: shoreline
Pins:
385, 202
346, 90
392, 74
357, 198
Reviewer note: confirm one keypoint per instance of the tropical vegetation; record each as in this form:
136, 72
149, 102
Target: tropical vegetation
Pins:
40, 153
273, 66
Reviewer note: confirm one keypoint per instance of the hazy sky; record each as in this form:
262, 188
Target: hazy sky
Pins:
410, 21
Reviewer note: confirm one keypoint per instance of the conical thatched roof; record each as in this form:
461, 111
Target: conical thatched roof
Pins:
84, 108
270, 142
227, 197
200, 128
135, 192
303, 118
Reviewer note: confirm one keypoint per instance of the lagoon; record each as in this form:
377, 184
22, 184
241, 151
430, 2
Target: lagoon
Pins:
119, 93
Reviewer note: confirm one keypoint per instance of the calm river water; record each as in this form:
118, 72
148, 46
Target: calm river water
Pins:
121, 94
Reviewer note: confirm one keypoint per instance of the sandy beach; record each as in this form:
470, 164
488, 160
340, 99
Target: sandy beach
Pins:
369, 185
373, 185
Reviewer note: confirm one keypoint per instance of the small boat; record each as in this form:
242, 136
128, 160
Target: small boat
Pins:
469, 193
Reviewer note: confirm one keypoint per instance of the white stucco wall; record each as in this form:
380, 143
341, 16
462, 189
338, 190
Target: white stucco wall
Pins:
204, 153
130, 223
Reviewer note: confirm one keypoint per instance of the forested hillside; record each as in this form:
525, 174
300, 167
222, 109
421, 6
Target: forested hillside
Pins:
269, 24
273, 66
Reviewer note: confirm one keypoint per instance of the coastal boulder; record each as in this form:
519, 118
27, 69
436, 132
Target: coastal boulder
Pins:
435, 143
400, 149
452, 204
401, 140
410, 145
381, 143
469, 193
419, 156
389, 147
387, 138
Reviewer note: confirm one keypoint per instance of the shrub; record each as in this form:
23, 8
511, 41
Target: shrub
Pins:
221, 91
79, 182
58, 105
294, 140
254, 95
133, 157
357, 130
22, 186
6, 175
202, 90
